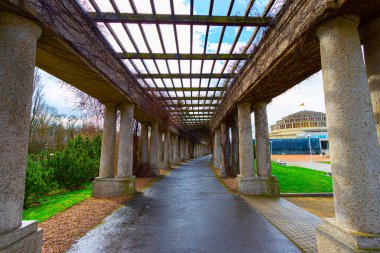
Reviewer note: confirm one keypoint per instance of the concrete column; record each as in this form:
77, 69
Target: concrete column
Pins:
167, 147
266, 184
182, 145
107, 157
187, 153
371, 46
263, 161
125, 150
153, 155
106, 185
223, 137
354, 146
175, 149
246, 180
217, 149
245, 141
18, 40
144, 144
159, 144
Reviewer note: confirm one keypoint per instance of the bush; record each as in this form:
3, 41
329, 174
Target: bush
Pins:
39, 179
67, 169
77, 163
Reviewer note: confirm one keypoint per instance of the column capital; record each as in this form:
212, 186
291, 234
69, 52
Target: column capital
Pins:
10, 19
342, 22
244, 105
260, 105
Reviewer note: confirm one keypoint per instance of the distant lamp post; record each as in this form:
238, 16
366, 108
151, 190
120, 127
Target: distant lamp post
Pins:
311, 154
271, 149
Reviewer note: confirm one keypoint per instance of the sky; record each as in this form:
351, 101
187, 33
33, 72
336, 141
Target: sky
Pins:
309, 92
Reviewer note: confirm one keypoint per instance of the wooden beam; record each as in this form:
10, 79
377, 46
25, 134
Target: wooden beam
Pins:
229, 75
190, 98
163, 56
188, 89
191, 110
183, 105
111, 17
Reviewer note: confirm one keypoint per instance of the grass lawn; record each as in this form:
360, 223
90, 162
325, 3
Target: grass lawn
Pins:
56, 203
301, 180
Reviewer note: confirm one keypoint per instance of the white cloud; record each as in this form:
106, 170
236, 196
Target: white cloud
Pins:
309, 92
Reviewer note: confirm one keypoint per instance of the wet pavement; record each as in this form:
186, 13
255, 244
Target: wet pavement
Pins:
186, 211
312, 165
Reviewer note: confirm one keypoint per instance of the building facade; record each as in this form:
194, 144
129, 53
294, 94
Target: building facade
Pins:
300, 124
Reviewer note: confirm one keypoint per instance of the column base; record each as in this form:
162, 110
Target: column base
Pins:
27, 238
258, 185
223, 172
333, 238
112, 187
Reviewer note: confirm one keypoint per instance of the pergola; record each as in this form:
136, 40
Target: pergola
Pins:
184, 58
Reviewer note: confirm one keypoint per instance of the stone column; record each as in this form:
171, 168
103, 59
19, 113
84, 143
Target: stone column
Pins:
269, 184
175, 149
125, 150
246, 179
182, 145
223, 137
106, 185
245, 141
153, 155
18, 40
187, 150
159, 144
217, 149
371, 46
107, 157
263, 162
354, 147
167, 147
144, 144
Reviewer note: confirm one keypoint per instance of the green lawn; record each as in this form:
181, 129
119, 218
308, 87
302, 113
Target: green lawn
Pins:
301, 180
56, 203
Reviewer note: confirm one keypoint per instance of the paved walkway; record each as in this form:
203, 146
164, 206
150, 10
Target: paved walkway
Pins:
187, 211
312, 165
298, 225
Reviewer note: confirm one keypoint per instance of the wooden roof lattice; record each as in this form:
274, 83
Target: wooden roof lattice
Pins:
186, 53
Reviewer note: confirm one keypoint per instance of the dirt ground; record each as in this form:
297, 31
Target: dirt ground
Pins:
60, 231
300, 158
230, 182
322, 207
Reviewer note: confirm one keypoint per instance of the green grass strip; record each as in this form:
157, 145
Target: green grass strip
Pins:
56, 203
301, 180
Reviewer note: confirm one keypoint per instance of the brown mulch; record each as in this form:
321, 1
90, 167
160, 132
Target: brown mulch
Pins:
230, 182
63, 229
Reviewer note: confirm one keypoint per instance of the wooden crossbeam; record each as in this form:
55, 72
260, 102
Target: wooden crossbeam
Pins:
229, 75
167, 56
111, 17
188, 89
191, 110
190, 98
183, 105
